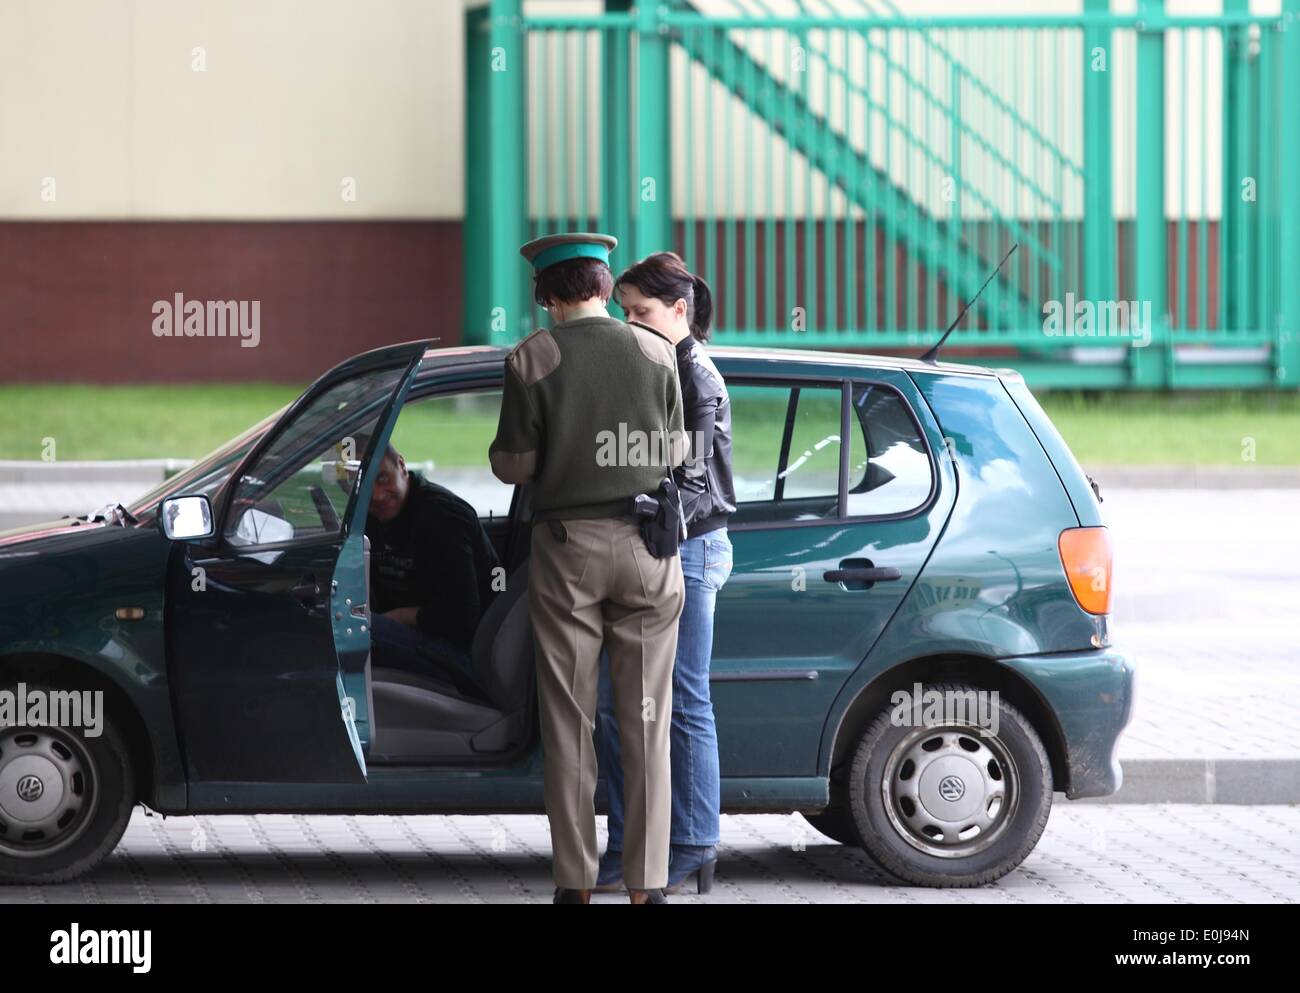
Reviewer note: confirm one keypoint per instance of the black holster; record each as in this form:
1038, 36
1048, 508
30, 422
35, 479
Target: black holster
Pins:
663, 522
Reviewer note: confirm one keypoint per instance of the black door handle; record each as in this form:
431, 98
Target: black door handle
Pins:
307, 591
876, 574
860, 574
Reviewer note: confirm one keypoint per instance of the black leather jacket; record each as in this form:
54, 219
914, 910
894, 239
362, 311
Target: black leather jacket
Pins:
704, 480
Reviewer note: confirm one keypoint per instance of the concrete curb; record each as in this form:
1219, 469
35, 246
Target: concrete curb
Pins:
1232, 781
1247, 476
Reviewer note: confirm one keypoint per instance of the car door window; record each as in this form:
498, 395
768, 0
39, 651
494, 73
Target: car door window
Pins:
446, 439
785, 451
889, 465
300, 487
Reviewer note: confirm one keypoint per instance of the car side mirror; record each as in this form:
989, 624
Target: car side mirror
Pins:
186, 518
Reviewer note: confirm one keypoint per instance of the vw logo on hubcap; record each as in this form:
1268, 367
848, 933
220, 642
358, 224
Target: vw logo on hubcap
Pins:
951, 788
30, 788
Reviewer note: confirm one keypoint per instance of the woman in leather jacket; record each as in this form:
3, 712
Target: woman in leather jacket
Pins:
661, 294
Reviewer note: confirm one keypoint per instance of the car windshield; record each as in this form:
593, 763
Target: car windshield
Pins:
207, 475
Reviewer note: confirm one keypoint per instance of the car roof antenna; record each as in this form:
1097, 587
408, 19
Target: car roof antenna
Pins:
933, 354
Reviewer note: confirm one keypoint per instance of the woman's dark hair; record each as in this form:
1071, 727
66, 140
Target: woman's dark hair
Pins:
571, 281
664, 276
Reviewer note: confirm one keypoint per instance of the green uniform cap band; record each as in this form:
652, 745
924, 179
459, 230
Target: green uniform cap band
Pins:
572, 250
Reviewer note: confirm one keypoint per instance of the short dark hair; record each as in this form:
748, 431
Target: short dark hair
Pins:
571, 281
391, 454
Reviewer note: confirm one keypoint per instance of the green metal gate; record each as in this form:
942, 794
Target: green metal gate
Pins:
845, 176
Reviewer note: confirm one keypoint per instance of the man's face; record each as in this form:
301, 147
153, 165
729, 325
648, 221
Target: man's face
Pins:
391, 487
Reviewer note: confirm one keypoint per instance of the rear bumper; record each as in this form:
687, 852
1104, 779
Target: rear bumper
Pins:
1091, 696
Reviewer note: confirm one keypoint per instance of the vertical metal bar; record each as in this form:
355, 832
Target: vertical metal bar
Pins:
477, 323
788, 131
871, 285
956, 221
1184, 297
1098, 212
654, 224
616, 133
852, 278
711, 218
751, 236
890, 321
1266, 132
581, 215
728, 189
809, 219
1148, 366
1036, 168
910, 185
1286, 365
1203, 236
769, 241
829, 259
508, 145
688, 178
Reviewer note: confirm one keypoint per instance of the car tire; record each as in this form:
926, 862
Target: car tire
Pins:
88, 788
967, 810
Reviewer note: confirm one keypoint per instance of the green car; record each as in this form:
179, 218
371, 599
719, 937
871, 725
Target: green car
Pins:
912, 651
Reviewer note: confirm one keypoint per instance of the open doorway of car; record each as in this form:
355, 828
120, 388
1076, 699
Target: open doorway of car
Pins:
423, 718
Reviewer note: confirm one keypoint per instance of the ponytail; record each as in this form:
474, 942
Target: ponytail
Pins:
702, 318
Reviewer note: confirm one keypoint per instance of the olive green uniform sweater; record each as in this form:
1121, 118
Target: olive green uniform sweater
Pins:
591, 414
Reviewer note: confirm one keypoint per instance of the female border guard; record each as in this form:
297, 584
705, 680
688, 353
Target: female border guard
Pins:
570, 390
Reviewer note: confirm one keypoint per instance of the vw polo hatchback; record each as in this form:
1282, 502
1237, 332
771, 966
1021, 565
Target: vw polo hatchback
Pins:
913, 650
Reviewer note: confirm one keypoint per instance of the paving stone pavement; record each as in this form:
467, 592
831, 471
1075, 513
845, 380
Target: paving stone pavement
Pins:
1160, 853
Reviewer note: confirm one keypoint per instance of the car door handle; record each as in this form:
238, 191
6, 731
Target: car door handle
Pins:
308, 591
861, 571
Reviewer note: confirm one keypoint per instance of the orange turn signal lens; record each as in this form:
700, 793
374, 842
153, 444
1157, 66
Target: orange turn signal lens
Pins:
1086, 555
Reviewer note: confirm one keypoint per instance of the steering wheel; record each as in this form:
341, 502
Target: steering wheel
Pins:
328, 517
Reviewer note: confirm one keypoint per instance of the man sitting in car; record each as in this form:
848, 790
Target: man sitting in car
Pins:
431, 574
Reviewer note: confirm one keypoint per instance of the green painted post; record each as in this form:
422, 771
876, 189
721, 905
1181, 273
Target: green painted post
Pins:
1099, 244
1148, 368
478, 189
1234, 168
1287, 362
509, 317
616, 124
654, 203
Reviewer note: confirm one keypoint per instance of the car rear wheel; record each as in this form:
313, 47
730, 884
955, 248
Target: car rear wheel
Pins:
950, 804
65, 799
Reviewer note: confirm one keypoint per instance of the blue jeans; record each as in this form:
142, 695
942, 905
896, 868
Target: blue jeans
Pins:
394, 645
706, 564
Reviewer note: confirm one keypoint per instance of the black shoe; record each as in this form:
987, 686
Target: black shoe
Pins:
652, 896
570, 896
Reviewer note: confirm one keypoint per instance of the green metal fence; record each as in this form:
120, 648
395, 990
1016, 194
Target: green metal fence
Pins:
845, 177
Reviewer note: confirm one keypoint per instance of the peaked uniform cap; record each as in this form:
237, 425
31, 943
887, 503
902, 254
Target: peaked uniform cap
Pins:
547, 251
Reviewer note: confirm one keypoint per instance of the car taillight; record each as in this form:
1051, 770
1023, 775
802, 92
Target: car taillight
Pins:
1085, 553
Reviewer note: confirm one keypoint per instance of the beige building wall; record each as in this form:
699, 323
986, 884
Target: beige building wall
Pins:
231, 109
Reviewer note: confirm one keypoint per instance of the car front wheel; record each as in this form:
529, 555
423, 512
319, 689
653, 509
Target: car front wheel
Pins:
65, 800
950, 804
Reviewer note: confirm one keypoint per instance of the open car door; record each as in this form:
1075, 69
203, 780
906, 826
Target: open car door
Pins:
265, 619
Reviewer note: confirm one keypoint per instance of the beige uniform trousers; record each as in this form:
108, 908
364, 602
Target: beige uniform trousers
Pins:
603, 585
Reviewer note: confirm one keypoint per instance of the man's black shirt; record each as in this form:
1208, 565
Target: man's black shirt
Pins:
433, 555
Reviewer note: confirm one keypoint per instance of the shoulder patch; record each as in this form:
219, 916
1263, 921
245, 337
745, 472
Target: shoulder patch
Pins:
536, 357
654, 347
